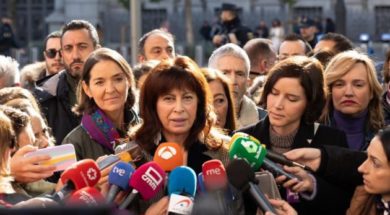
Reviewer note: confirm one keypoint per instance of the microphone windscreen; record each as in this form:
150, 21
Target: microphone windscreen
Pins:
168, 156
214, 175
148, 180
182, 181
120, 175
87, 196
240, 174
201, 187
248, 148
84, 173
132, 148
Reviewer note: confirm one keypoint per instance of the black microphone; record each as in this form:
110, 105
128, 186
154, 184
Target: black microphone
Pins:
279, 158
242, 177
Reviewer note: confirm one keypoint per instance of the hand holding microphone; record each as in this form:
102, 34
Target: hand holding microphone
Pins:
84, 173
119, 179
305, 184
146, 181
242, 177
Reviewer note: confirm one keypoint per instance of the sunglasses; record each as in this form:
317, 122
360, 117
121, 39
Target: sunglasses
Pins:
51, 53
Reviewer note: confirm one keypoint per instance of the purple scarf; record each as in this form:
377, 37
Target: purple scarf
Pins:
100, 128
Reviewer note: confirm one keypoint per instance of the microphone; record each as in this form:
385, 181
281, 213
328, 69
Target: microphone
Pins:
242, 177
181, 190
135, 152
249, 148
119, 179
87, 196
201, 187
84, 173
168, 156
214, 175
279, 158
215, 180
147, 180
128, 152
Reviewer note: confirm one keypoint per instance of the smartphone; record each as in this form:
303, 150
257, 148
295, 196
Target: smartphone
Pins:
62, 156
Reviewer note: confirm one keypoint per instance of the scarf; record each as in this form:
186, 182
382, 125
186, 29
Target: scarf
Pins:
381, 207
100, 128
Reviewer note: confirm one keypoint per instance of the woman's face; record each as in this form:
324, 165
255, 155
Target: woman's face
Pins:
108, 86
351, 94
26, 136
376, 170
40, 131
220, 102
286, 104
177, 112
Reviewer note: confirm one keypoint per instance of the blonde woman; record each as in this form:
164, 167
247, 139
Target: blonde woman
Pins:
354, 104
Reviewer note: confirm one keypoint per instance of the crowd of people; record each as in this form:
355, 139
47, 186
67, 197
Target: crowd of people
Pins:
319, 103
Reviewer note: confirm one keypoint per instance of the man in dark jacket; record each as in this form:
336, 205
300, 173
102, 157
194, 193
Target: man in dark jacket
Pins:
57, 94
231, 30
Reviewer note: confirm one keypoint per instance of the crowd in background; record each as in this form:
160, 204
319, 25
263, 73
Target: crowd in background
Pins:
291, 92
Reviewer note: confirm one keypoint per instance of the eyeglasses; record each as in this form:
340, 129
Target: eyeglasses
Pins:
253, 74
51, 53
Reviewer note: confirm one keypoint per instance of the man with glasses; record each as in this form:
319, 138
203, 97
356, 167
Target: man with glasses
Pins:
52, 48
57, 95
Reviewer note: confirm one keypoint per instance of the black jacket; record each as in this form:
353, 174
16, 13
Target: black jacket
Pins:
330, 198
56, 107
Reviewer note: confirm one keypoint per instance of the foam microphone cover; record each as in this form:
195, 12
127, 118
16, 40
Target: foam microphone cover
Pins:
84, 173
120, 175
169, 156
148, 180
214, 175
240, 174
87, 196
182, 181
246, 147
119, 179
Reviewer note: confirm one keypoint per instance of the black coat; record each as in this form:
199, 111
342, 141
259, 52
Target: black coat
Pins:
57, 108
330, 198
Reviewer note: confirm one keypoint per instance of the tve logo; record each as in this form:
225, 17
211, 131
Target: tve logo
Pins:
180, 204
152, 177
167, 152
119, 171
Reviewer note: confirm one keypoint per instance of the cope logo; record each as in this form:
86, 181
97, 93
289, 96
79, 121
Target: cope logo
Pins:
167, 152
180, 204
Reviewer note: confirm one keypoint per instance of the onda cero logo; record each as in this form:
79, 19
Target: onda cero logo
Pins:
167, 152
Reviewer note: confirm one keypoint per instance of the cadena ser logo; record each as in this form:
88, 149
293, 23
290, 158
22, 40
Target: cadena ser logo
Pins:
152, 177
167, 152
180, 204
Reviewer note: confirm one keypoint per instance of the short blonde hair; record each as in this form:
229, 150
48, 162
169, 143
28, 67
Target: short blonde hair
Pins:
340, 65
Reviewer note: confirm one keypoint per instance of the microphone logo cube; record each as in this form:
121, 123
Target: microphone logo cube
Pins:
180, 204
152, 177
